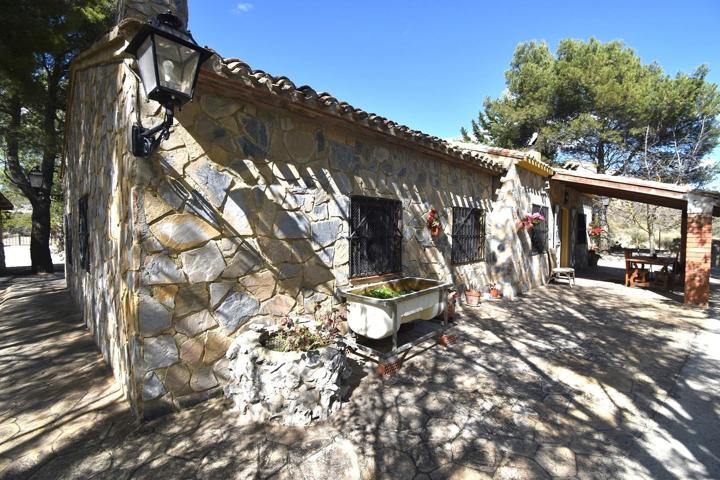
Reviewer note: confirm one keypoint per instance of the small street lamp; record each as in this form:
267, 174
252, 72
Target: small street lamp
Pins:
37, 180
169, 61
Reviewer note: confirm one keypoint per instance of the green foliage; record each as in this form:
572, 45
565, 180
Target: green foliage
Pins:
385, 292
38, 40
17, 222
599, 103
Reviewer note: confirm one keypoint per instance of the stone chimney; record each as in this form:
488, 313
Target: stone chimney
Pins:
144, 10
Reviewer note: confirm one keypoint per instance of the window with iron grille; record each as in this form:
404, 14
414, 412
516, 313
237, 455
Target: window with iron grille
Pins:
375, 236
468, 235
84, 233
539, 233
581, 229
68, 239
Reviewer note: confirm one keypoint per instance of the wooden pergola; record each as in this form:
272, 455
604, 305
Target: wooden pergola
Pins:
698, 208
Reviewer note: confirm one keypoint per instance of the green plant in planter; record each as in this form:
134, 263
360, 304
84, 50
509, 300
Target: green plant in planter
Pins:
385, 292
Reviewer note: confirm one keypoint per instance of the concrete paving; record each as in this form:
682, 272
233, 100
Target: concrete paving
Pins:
597, 381
19, 256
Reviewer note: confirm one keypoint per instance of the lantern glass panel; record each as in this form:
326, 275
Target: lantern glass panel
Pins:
146, 64
36, 179
177, 65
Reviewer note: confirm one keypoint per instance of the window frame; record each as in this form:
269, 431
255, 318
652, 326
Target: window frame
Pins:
83, 233
361, 234
460, 240
539, 246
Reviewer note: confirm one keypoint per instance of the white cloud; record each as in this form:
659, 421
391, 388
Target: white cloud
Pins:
243, 7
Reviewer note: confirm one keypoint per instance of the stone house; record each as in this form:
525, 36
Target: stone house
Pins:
265, 199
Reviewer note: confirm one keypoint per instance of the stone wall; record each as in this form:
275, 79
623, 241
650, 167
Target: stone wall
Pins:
516, 268
101, 109
245, 218
143, 9
242, 216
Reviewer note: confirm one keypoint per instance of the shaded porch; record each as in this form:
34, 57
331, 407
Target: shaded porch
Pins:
697, 207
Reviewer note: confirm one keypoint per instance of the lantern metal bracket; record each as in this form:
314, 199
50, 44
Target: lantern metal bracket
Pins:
146, 140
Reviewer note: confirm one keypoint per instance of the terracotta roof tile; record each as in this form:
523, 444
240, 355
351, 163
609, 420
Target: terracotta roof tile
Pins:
239, 71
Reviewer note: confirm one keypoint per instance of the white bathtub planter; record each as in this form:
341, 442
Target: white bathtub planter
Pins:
408, 299
289, 387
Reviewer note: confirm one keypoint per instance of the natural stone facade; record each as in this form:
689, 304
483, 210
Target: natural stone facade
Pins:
103, 168
242, 217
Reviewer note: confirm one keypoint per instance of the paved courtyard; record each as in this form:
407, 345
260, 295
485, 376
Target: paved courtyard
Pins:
597, 381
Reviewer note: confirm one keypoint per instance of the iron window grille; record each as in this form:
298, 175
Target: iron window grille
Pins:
68, 239
468, 235
539, 233
375, 236
84, 233
581, 229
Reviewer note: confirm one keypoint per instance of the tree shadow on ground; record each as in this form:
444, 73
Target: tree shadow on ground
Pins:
563, 382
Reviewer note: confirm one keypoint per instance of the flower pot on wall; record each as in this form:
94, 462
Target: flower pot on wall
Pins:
435, 231
472, 297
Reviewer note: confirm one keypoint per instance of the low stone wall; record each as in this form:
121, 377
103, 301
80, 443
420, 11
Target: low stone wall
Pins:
292, 388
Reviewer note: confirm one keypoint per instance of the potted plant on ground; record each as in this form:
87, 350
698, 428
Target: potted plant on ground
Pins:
495, 291
472, 294
433, 223
593, 257
451, 301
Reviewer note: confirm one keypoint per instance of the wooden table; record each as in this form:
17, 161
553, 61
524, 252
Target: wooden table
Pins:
637, 264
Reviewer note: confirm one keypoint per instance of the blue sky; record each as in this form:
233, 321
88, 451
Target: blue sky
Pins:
430, 64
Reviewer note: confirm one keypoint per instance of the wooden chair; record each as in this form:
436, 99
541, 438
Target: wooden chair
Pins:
630, 270
556, 272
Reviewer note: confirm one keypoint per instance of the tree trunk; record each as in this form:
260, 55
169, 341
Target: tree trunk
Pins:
600, 158
605, 239
40, 237
3, 268
650, 221
40, 200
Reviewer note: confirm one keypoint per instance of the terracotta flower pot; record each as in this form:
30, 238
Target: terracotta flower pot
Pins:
451, 305
435, 231
472, 297
494, 293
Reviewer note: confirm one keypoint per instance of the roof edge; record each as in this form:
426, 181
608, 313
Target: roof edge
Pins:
282, 91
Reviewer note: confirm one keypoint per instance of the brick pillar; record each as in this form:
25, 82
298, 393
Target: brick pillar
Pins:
683, 236
698, 250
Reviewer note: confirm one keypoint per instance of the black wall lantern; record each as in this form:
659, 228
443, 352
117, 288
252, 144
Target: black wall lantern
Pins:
37, 179
169, 61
